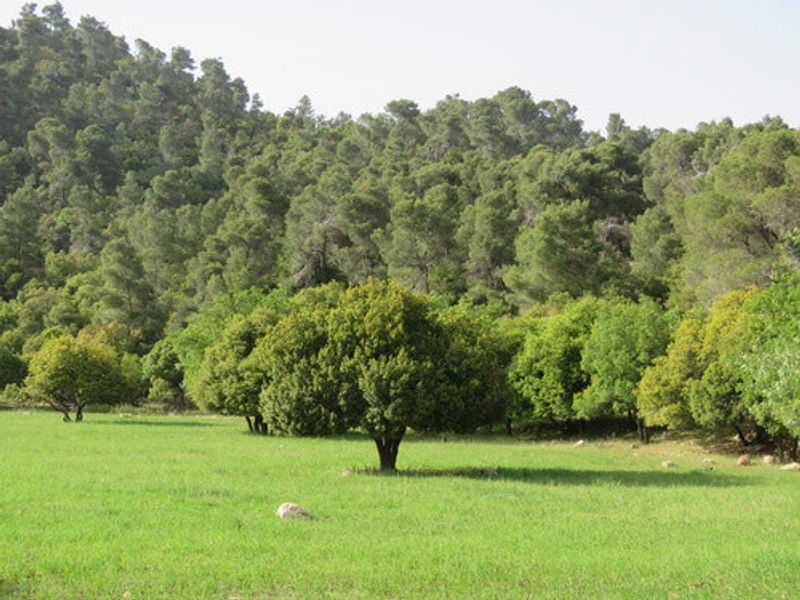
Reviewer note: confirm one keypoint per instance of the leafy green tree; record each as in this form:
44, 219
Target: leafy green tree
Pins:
71, 373
624, 341
548, 374
20, 245
13, 368
662, 396
735, 227
206, 327
379, 359
559, 254
126, 296
771, 385
230, 379
162, 370
655, 252
715, 398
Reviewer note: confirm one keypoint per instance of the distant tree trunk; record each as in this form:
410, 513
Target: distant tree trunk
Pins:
65, 418
259, 426
761, 435
742, 437
643, 431
387, 450
79, 413
509, 428
249, 423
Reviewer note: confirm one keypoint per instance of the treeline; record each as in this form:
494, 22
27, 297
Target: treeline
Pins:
144, 204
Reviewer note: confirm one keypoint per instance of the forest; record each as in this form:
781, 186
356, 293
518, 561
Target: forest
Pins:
166, 241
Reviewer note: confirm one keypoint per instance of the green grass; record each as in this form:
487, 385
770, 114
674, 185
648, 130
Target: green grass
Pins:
184, 507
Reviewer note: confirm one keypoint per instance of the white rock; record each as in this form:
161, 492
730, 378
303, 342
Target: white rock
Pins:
579, 443
709, 461
347, 473
769, 459
793, 466
667, 464
290, 510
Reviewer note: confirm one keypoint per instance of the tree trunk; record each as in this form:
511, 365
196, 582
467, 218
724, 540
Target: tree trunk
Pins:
66, 418
742, 438
249, 424
259, 426
643, 431
509, 428
387, 451
79, 413
761, 435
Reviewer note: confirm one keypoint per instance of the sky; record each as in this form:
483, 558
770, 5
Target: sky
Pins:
668, 63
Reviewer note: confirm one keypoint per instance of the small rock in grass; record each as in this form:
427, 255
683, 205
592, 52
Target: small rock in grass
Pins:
290, 510
792, 466
709, 461
769, 459
487, 472
743, 460
127, 594
667, 464
347, 473
579, 443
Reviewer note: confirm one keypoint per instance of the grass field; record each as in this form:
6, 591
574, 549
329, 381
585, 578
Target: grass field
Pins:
184, 507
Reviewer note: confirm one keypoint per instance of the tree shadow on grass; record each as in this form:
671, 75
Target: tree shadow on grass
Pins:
153, 423
576, 477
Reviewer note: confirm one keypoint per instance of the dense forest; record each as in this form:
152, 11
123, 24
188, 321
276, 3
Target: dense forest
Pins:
155, 217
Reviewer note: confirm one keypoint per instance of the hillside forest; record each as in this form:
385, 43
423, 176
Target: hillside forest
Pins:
166, 241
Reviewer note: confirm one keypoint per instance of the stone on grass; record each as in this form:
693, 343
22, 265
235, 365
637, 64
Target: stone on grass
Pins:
579, 443
347, 473
743, 460
792, 466
290, 510
769, 459
709, 461
667, 464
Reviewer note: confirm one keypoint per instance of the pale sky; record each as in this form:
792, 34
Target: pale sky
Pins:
671, 63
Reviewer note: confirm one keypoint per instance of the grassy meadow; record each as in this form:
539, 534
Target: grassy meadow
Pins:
184, 507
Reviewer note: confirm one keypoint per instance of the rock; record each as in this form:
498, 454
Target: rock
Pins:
487, 472
347, 473
769, 459
579, 443
793, 466
709, 461
743, 460
667, 464
290, 510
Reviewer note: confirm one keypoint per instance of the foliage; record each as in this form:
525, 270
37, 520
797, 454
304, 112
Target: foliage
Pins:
382, 360
13, 368
624, 341
771, 386
548, 373
70, 373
